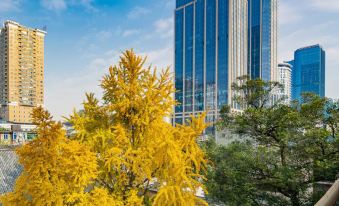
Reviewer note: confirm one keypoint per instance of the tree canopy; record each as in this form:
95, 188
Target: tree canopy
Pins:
56, 171
137, 150
284, 150
123, 151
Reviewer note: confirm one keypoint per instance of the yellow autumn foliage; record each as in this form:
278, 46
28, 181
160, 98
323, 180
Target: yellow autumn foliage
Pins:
56, 171
139, 153
123, 151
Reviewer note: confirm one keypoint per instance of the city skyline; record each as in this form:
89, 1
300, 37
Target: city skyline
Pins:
95, 43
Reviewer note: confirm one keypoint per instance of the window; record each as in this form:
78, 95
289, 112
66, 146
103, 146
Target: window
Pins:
179, 43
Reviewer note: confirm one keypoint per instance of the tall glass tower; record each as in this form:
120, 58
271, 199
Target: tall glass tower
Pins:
308, 73
262, 39
210, 53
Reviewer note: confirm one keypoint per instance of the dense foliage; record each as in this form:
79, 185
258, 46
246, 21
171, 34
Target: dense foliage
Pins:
123, 151
283, 152
138, 152
56, 171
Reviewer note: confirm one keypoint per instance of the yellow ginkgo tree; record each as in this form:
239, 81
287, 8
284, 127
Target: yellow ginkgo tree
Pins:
56, 171
141, 158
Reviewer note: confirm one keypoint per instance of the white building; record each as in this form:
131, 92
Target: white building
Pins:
285, 78
16, 134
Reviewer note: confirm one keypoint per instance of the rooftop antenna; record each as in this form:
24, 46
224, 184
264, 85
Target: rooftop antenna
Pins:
44, 28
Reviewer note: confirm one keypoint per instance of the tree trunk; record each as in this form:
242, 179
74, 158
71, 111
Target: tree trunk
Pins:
282, 155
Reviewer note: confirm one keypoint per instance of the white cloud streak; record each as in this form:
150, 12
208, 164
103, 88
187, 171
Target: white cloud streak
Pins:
54, 4
9, 5
326, 5
165, 27
73, 88
60, 5
137, 12
130, 32
288, 14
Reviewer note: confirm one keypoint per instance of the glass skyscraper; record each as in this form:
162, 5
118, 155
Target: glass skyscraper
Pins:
210, 53
308, 73
262, 39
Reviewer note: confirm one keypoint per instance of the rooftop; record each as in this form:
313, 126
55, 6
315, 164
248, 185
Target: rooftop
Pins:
285, 65
17, 24
310, 47
9, 169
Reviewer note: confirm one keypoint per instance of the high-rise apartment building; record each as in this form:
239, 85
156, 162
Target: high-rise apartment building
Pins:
262, 39
308, 74
210, 53
21, 71
285, 79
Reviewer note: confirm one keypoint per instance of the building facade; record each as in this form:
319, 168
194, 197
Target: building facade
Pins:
210, 53
308, 74
16, 134
21, 71
285, 79
262, 39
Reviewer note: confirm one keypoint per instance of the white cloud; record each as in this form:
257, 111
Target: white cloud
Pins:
8, 5
130, 32
65, 94
326, 5
54, 4
72, 89
332, 71
169, 4
160, 58
165, 27
88, 4
288, 13
103, 35
137, 12
59, 5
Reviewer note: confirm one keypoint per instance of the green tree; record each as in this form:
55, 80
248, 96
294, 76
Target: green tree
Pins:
284, 150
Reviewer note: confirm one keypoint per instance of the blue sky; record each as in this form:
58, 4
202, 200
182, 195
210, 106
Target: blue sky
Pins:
86, 36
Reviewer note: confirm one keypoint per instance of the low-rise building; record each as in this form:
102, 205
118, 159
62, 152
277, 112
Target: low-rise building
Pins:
15, 134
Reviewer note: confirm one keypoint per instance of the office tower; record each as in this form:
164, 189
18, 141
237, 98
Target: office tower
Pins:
285, 79
21, 71
210, 53
262, 39
308, 74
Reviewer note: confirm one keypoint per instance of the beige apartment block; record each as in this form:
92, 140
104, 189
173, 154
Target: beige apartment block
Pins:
21, 71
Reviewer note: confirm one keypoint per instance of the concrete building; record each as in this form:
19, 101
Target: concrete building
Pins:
262, 39
21, 71
285, 79
308, 74
210, 53
16, 134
